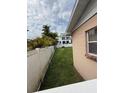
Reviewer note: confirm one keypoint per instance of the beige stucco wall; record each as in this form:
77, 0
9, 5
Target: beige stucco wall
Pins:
86, 67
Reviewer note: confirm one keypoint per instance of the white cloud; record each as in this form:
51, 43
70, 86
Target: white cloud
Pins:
55, 13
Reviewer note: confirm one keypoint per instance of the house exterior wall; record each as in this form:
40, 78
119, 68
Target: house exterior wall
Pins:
86, 67
66, 39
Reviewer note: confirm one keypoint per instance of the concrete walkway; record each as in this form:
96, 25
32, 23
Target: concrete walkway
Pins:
82, 87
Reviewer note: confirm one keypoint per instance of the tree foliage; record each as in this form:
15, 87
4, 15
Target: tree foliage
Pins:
48, 39
46, 32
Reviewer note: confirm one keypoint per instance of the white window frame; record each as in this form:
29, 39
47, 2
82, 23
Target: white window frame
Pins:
63, 38
92, 54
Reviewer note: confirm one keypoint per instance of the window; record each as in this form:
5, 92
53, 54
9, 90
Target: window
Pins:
63, 38
67, 42
92, 41
63, 42
67, 38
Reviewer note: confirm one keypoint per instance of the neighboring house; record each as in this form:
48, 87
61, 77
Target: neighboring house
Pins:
83, 28
64, 40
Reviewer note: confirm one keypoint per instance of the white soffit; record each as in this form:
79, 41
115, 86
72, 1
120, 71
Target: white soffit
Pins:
90, 11
76, 13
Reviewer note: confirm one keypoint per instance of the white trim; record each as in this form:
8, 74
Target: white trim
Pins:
92, 41
74, 8
87, 43
72, 13
92, 54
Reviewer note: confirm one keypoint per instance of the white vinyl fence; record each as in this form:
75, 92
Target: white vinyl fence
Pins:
37, 63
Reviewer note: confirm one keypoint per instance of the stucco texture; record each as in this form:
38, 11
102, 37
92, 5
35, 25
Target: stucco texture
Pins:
86, 67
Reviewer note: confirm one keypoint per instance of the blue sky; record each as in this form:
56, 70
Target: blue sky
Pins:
55, 13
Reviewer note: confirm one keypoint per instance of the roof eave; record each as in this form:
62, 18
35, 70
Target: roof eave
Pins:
76, 14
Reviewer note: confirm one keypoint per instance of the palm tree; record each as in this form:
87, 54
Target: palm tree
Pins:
46, 30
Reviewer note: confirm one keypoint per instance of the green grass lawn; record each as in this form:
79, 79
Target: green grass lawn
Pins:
61, 71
